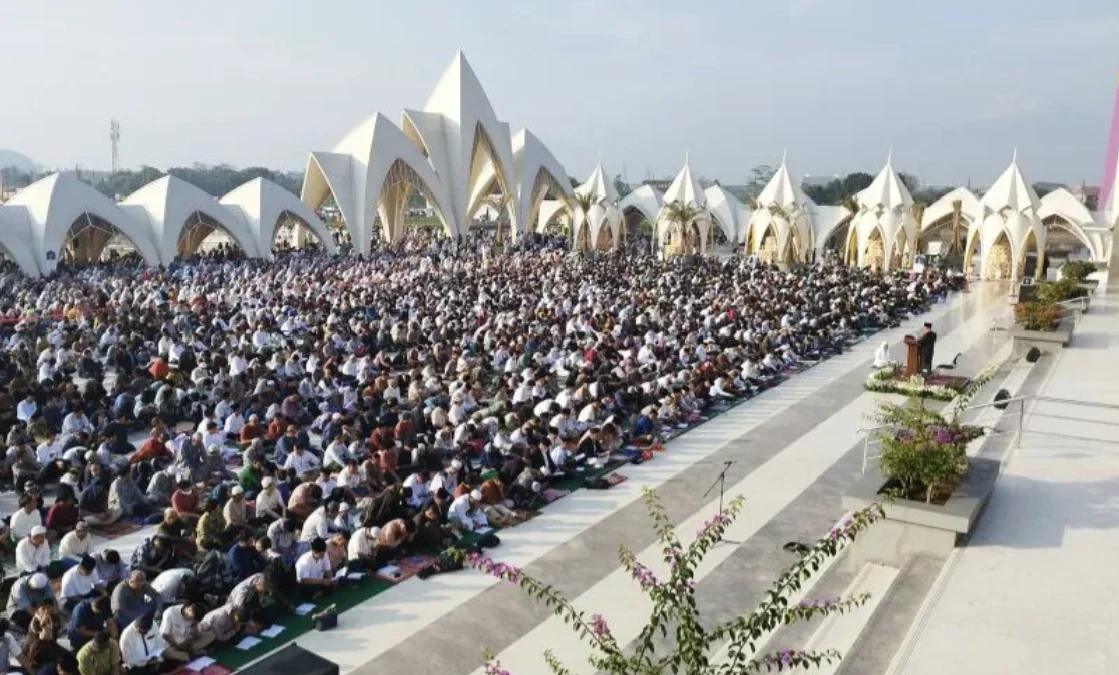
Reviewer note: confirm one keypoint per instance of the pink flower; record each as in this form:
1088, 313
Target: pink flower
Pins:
494, 668
599, 627
644, 576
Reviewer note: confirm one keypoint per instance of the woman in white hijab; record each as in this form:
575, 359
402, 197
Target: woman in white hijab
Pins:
882, 356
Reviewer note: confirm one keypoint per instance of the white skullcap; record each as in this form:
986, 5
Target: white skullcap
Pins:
268, 481
38, 530
38, 580
456, 464
237, 490
536, 487
476, 495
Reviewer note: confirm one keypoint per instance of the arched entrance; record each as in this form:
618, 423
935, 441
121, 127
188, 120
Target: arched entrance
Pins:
900, 257
767, 249
851, 250
292, 233
1029, 263
405, 204
874, 258
93, 239
204, 235
998, 259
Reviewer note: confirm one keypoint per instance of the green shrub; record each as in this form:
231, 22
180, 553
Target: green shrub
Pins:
1077, 270
1038, 315
1059, 291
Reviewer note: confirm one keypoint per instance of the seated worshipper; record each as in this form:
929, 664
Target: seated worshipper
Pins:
187, 501
179, 628
304, 499
76, 544
88, 619
154, 451
63, 514
417, 483
344, 521
362, 553
318, 524
111, 570
40, 646
236, 512
336, 550
303, 463
214, 468
225, 623
252, 597
313, 572
27, 593
141, 647
99, 656
80, 583
251, 475
466, 513
284, 540
174, 585
33, 554
269, 503
10, 649
161, 486
125, 495
882, 356
212, 530
25, 518
431, 530
493, 504
132, 598
245, 559
94, 505
177, 534
213, 572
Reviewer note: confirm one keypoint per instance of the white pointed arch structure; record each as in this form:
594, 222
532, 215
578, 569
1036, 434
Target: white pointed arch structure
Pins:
173, 208
372, 173
601, 226
1008, 211
538, 173
785, 213
684, 189
51, 206
885, 211
16, 241
944, 207
262, 204
454, 150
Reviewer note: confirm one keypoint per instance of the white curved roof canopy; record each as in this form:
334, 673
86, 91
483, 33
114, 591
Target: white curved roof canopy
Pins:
536, 170
261, 203
646, 199
729, 213
168, 202
54, 203
1075, 218
942, 208
355, 173
16, 240
549, 208
784, 208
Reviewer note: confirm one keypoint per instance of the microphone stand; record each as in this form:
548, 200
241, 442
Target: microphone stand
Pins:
721, 483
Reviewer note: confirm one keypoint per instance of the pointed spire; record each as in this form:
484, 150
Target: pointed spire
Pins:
1014, 159
687, 156
784, 156
890, 156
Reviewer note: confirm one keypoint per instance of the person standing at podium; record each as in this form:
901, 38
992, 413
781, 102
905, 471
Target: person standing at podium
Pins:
926, 344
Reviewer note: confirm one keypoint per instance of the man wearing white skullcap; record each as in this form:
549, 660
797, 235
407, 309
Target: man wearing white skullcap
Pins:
33, 553
466, 512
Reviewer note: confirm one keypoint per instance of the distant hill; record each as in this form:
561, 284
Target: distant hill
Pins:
17, 160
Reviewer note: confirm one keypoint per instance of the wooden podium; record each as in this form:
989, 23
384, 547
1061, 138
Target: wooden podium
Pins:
911, 361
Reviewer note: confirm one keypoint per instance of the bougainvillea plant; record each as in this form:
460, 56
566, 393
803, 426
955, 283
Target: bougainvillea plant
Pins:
739, 641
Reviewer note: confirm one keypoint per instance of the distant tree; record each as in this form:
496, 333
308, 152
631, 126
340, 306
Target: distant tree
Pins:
929, 194
853, 183
759, 176
910, 181
620, 186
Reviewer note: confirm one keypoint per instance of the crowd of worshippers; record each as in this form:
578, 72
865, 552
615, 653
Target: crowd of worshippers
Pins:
313, 413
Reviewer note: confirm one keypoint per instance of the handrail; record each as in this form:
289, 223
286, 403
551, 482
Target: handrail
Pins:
1021, 400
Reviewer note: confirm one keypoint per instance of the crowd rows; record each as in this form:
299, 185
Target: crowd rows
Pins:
271, 423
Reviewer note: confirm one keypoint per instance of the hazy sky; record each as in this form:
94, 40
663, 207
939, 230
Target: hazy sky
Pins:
952, 85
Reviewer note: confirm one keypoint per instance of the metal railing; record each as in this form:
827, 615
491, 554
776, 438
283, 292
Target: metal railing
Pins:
1002, 405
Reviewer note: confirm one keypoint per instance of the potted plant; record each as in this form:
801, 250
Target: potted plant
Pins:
933, 490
